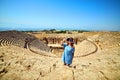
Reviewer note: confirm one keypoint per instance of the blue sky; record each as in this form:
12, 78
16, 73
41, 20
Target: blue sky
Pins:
60, 14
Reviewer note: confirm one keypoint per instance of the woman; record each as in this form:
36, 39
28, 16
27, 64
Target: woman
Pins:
68, 54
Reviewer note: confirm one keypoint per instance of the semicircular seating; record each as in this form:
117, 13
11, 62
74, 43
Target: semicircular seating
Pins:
17, 38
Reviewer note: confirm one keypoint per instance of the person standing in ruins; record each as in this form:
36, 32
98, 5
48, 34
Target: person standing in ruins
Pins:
68, 53
26, 43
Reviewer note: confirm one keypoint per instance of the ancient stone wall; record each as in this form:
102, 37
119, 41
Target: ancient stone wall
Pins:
57, 40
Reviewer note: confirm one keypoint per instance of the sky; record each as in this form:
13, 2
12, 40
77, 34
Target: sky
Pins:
102, 15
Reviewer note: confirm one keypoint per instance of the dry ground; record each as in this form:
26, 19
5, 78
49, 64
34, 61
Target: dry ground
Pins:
104, 64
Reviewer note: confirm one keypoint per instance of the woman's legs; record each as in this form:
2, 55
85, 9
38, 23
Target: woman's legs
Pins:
68, 64
64, 63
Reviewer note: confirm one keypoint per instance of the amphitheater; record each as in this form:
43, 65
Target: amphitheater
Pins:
97, 56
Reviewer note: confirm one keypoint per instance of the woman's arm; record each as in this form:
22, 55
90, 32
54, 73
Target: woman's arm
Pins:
63, 41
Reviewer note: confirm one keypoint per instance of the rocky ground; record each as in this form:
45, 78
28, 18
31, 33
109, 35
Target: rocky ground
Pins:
17, 63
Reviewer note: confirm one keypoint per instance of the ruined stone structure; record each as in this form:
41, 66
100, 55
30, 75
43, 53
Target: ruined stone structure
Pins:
18, 63
57, 40
17, 38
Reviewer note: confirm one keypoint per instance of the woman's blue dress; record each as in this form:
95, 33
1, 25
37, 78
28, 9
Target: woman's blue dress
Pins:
67, 55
